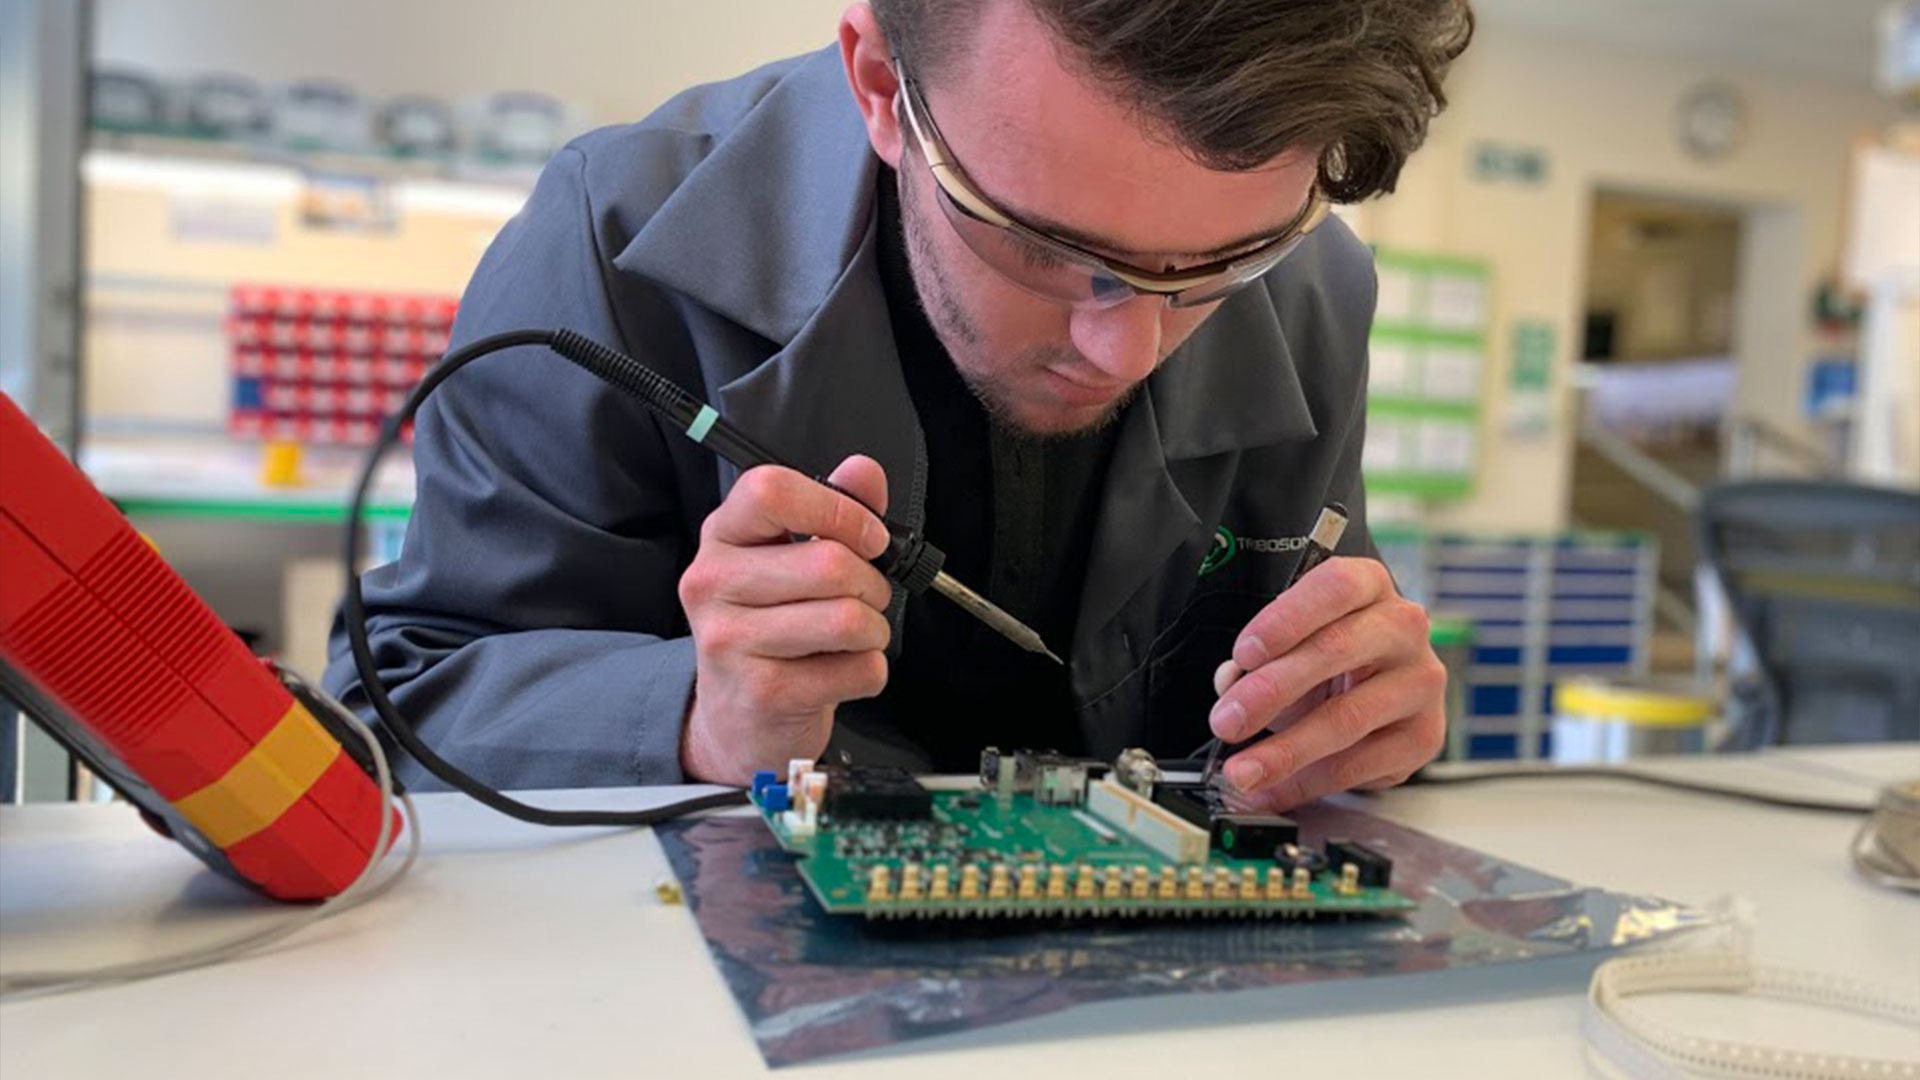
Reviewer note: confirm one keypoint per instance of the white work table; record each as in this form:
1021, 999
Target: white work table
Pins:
519, 951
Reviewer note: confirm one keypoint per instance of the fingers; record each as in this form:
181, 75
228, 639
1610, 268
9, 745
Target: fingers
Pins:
776, 688
1384, 758
770, 504
791, 631
1229, 673
787, 573
1333, 725
1332, 589
862, 477
1225, 676
1347, 720
1380, 635
784, 632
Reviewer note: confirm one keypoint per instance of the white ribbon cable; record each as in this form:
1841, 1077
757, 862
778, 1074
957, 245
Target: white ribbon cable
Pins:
1634, 1045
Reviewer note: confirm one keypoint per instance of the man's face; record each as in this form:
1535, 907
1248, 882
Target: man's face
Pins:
1063, 156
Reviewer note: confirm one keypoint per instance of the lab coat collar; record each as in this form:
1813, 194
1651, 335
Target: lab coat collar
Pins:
764, 227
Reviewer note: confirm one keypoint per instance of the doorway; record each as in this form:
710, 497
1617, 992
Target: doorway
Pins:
1658, 376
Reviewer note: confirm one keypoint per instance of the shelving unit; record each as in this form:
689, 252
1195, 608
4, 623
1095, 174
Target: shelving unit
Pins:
214, 477
485, 177
1543, 608
175, 225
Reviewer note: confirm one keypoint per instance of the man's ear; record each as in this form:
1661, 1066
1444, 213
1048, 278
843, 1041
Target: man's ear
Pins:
870, 75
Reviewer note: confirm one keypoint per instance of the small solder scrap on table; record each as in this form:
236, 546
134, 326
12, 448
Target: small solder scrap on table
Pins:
1049, 835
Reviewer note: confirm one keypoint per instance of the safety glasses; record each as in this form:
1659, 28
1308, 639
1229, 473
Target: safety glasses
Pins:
1059, 270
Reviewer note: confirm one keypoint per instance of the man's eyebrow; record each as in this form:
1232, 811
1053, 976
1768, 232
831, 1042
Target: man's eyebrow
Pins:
1096, 242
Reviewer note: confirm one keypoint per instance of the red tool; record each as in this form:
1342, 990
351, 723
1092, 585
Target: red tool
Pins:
108, 649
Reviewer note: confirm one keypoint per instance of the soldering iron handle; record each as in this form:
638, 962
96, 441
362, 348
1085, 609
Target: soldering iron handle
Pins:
1311, 557
733, 444
909, 559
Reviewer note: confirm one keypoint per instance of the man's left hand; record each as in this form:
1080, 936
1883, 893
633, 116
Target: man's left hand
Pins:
1340, 669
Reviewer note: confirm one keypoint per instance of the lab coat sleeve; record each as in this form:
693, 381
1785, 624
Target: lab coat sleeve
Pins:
531, 628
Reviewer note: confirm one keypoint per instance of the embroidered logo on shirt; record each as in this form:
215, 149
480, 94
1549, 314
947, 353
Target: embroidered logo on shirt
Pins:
1226, 545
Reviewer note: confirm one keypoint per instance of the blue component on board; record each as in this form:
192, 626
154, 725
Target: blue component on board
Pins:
761, 781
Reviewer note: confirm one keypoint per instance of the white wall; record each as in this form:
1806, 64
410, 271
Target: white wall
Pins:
1607, 119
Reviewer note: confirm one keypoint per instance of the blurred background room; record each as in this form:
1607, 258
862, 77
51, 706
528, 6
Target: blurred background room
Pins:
1653, 251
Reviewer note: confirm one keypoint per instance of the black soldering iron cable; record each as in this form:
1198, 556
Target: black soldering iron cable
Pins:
908, 559
355, 618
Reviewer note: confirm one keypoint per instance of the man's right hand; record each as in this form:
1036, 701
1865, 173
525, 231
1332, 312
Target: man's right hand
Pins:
783, 632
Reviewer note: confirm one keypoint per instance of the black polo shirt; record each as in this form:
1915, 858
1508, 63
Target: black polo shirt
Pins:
1015, 515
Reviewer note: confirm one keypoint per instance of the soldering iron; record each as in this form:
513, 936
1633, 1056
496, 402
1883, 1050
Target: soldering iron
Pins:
908, 560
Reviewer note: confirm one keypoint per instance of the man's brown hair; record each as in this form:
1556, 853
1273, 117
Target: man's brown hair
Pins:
1238, 82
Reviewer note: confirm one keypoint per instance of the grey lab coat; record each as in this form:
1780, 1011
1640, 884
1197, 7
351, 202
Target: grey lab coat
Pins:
531, 626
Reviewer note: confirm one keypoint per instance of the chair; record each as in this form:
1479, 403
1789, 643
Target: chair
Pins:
1823, 580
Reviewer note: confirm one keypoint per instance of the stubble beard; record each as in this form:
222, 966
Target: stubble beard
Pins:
960, 332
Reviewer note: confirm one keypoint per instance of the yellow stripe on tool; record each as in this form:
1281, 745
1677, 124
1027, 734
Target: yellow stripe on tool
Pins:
261, 786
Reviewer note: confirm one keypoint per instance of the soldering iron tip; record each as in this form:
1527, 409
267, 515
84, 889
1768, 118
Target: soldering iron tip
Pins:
1050, 656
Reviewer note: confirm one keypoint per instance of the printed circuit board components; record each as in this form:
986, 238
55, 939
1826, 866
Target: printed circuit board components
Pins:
1048, 835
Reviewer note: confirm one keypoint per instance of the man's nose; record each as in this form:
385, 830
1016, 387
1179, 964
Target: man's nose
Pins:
1123, 341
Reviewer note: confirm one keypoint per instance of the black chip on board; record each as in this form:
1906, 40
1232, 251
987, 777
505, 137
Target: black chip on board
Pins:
1252, 836
1376, 870
877, 793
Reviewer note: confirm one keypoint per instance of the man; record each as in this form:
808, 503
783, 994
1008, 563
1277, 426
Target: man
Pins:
1041, 277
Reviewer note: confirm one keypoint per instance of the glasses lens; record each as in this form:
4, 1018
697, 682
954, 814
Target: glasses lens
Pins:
1067, 277
1234, 278
1040, 269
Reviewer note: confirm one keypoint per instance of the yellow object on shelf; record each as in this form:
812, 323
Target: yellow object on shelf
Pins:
1597, 700
1597, 722
280, 464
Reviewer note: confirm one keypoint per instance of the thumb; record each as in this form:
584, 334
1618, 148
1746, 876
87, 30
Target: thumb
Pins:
861, 477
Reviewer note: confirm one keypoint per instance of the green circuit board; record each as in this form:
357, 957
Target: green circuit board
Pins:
981, 856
